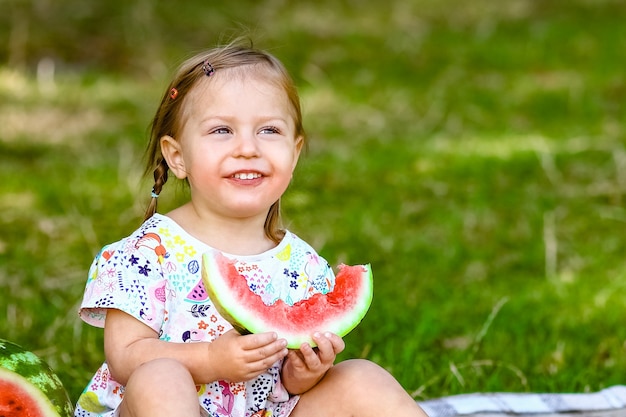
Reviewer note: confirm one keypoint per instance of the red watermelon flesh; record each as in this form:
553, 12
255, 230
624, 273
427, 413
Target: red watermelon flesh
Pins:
16, 400
338, 311
28, 387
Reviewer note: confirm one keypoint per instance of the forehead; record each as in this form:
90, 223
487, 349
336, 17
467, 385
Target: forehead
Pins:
234, 83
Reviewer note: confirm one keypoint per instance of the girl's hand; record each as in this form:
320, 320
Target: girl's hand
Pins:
237, 358
305, 367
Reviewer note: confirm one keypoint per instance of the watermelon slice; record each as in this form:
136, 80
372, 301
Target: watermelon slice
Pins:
339, 311
28, 387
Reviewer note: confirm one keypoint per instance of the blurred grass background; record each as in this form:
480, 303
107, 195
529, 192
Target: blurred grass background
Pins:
473, 152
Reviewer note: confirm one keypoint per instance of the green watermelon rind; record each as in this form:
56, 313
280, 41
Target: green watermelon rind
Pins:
20, 362
245, 320
33, 392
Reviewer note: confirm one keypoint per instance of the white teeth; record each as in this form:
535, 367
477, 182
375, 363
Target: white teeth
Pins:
247, 176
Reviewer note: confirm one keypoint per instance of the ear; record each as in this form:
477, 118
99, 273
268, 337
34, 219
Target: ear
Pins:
296, 151
172, 152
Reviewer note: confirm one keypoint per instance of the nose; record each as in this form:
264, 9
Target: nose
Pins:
247, 145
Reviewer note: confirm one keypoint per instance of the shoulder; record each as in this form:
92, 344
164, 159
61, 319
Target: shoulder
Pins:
293, 240
154, 224
153, 232
307, 272
302, 253
150, 235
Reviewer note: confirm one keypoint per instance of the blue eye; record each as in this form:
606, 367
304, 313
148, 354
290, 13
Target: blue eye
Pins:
269, 130
221, 131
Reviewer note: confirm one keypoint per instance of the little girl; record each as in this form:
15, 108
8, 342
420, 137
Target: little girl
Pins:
230, 125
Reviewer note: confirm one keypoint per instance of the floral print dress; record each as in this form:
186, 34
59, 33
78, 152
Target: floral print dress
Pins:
154, 275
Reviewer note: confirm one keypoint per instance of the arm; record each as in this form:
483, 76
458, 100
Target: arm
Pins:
304, 368
128, 343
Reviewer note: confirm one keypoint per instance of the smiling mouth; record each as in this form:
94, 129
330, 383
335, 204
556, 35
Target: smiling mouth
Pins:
247, 175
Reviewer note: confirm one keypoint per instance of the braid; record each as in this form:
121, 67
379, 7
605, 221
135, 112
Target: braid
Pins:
160, 178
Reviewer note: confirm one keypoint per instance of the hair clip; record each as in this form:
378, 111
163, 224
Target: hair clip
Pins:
173, 93
208, 68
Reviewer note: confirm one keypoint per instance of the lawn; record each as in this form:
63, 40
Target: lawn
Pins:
472, 152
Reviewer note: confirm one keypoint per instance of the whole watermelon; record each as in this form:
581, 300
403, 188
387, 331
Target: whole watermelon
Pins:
28, 387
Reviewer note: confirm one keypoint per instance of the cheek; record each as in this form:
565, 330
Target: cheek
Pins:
201, 171
200, 168
289, 160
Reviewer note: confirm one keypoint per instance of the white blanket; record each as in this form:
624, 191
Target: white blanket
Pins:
526, 403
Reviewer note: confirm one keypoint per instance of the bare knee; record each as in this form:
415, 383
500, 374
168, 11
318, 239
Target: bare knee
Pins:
360, 373
357, 387
156, 384
166, 373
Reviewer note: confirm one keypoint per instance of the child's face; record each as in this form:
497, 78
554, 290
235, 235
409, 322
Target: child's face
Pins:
237, 147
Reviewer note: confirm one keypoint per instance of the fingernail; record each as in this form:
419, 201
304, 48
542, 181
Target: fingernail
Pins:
328, 335
317, 334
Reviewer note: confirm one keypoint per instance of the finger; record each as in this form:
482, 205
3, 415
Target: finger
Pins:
276, 348
329, 345
266, 362
330, 341
295, 356
258, 340
309, 356
325, 349
338, 344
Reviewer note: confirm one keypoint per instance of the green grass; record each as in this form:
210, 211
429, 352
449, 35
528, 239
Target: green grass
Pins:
474, 153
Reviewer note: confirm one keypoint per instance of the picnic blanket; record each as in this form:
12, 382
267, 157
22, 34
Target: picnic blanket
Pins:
526, 403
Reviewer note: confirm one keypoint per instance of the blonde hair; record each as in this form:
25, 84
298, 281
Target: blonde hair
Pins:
170, 113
